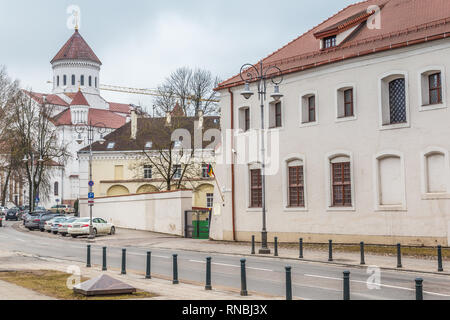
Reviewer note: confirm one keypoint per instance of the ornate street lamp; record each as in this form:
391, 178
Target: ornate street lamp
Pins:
260, 75
90, 129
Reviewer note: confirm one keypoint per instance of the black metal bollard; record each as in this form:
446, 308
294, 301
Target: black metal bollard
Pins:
148, 274
346, 285
419, 289
88, 258
243, 279
301, 248
124, 261
330, 250
288, 283
175, 269
104, 268
253, 245
399, 256
363, 260
208, 274
276, 247
440, 266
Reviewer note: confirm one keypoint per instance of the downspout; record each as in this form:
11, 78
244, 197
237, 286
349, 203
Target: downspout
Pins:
233, 207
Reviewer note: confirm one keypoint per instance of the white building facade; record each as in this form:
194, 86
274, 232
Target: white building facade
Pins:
358, 146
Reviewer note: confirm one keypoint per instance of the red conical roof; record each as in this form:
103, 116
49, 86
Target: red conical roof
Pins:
76, 48
79, 100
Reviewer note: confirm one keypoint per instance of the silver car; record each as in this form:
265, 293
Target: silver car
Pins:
63, 226
3, 211
53, 225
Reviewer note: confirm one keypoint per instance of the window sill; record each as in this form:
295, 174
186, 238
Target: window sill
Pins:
309, 124
341, 209
394, 208
345, 119
395, 126
435, 196
295, 209
259, 210
430, 107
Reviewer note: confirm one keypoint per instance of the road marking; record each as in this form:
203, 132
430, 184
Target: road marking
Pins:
381, 285
230, 265
153, 256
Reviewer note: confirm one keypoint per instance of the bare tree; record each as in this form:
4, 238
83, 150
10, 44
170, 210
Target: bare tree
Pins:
192, 90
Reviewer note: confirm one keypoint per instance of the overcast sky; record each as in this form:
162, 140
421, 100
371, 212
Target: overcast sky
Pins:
142, 42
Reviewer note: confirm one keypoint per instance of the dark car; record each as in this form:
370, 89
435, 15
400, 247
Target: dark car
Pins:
32, 220
46, 217
13, 214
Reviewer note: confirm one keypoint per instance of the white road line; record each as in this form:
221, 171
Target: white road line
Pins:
381, 285
230, 265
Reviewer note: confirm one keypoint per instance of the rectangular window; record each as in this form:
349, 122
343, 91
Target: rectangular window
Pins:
255, 188
205, 171
209, 200
278, 122
177, 172
296, 187
435, 88
342, 185
348, 103
147, 172
247, 119
329, 42
312, 109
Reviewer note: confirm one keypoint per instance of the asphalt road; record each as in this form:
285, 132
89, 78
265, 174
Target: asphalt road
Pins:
310, 280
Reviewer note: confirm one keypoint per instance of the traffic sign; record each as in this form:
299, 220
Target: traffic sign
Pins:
91, 183
91, 202
91, 195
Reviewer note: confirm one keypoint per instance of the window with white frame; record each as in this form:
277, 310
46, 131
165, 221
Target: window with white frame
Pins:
296, 184
432, 88
394, 100
177, 171
346, 103
275, 115
255, 188
390, 181
341, 182
244, 119
209, 200
309, 108
148, 172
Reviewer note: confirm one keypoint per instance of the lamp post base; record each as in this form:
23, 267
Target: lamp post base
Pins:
264, 249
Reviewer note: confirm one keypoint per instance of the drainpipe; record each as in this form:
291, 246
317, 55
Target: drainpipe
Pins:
233, 209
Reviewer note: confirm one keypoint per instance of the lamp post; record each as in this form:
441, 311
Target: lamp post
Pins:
260, 75
90, 130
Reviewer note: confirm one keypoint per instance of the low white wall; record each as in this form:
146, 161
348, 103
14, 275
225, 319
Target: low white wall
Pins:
157, 212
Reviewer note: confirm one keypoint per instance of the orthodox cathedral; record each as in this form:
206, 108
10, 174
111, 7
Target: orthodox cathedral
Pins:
76, 100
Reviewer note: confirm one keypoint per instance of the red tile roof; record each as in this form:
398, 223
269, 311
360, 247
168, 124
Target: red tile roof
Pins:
63, 119
76, 48
106, 117
403, 23
119, 107
51, 98
79, 100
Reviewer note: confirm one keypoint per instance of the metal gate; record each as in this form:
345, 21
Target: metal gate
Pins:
197, 223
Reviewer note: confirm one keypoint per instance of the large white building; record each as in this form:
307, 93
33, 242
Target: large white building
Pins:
359, 144
76, 99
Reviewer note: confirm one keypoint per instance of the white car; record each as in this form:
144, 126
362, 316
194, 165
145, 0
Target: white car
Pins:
80, 227
3, 211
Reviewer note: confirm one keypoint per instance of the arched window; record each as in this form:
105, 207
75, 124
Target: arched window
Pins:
90, 81
57, 81
82, 80
73, 79
56, 188
65, 80
390, 181
296, 184
96, 82
341, 194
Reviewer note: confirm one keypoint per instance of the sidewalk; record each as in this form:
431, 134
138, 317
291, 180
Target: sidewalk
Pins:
162, 286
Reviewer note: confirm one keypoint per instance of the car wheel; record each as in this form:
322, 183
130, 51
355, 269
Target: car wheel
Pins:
74, 236
63, 234
41, 230
94, 232
113, 231
48, 231
29, 229
55, 232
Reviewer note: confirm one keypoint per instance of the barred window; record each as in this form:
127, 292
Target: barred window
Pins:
435, 88
397, 101
296, 187
342, 184
255, 188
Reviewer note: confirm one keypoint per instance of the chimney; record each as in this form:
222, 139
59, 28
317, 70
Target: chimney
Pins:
133, 123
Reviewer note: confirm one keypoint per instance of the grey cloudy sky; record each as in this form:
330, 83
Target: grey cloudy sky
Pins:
141, 42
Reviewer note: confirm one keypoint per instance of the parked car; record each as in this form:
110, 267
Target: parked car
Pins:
3, 211
1, 222
63, 226
33, 220
13, 214
80, 227
62, 208
54, 224
49, 223
47, 217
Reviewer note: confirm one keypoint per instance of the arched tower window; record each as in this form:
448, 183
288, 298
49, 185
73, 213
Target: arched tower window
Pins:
82, 80
56, 188
57, 81
65, 80
90, 81
73, 79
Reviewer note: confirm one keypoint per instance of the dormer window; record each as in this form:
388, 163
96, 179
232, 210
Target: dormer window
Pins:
111, 145
148, 145
329, 42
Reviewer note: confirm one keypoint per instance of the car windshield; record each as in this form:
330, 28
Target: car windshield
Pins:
71, 220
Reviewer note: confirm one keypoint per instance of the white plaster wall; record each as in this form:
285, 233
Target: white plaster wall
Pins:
157, 212
361, 136
77, 68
